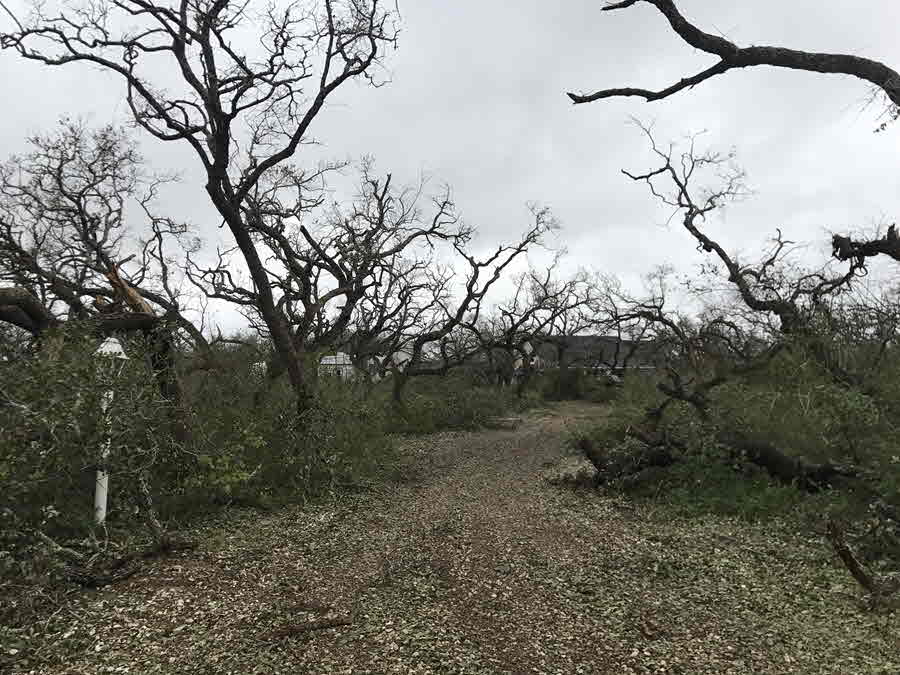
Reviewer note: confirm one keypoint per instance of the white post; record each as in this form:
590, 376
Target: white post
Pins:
101, 489
110, 349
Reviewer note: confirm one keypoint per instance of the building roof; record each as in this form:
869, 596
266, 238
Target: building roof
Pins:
337, 359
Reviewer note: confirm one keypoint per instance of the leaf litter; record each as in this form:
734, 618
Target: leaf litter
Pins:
468, 561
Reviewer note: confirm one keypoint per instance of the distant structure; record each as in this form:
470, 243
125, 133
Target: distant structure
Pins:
338, 364
598, 352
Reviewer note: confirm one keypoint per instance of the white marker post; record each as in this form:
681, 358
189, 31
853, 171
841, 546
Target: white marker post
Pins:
112, 358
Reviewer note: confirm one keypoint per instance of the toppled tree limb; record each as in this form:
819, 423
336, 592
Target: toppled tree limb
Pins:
22, 309
292, 629
98, 570
836, 538
63, 551
845, 248
783, 467
657, 453
732, 57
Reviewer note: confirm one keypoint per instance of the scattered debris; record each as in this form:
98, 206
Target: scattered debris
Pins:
490, 570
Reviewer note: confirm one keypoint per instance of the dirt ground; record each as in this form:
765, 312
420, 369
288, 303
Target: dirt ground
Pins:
469, 561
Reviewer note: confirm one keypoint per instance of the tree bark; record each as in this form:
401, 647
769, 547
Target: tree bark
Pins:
398, 386
165, 372
784, 468
289, 352
836, 538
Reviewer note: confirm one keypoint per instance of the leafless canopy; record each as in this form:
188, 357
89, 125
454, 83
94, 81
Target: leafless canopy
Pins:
541, 306
448, 340
352, 276
243, 107
65, 247
764, 287
885, 82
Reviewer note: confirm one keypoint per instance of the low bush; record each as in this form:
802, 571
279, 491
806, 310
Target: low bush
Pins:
576, 384
793, 405
456, 401
53, 429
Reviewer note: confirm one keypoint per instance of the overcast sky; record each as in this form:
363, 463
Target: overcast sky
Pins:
477, 100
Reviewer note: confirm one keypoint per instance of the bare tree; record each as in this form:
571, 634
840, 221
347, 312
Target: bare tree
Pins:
449, 341
884, 79
513, 334
572, 310
387, 320
708, 353
704, 354
764, 287
345, 275
64, 240
244, 111
630, 335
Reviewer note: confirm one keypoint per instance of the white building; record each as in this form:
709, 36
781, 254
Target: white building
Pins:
337, 364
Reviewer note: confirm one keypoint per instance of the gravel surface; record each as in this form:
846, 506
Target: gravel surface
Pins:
469, 561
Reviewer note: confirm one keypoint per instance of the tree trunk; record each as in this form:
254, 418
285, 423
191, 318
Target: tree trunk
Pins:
162, 363
290, 353
398, 387
784, 468
525, 378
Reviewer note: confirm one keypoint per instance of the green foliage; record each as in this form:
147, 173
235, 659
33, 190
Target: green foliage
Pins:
457, 401
263, 454
793, 404
53, 429
575, 384
695, 487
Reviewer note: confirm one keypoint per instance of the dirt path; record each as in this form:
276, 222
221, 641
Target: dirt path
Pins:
472, 563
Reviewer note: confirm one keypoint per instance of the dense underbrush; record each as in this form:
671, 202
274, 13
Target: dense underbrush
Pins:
244, 448
794, 408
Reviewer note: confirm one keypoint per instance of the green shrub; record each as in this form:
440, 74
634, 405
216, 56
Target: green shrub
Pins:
793, 404
458, 400
575, 384
52, 432
261, 454
695, 487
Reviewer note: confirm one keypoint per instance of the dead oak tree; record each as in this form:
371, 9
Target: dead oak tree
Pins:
763, 288
387, 320
448, 341
345, 275
243, 107
68, 261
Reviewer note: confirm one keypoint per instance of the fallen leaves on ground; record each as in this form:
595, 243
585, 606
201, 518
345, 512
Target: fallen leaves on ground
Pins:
468, 561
